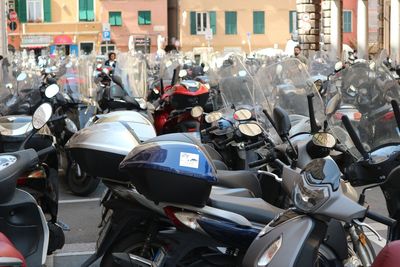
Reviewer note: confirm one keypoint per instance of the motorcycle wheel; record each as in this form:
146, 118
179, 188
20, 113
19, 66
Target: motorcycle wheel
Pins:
131, 244
80, 183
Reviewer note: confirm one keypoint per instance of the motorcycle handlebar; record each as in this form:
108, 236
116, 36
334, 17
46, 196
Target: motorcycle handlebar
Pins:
46, 151
209, 129
255, 145
226, 141
269, 158
380, 218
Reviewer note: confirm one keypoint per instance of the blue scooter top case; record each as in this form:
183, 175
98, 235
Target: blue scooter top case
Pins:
171, 168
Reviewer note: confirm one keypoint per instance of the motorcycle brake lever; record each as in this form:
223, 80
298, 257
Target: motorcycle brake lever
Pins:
359, 223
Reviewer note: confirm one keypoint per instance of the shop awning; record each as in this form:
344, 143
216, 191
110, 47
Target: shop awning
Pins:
63, 40
35, 41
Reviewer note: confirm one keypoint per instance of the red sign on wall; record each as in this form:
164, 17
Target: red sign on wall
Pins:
13, 16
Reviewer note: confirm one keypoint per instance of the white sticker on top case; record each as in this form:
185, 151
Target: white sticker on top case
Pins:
189, 160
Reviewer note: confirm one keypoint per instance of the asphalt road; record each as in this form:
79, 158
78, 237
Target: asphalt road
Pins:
82, 215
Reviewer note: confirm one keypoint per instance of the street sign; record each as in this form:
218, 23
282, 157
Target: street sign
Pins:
305, 17
12, 25
106, 36
13, 16
209, 34
106, 27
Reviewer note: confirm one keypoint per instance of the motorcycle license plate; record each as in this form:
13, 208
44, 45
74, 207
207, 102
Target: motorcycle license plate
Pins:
159, 258
106, 227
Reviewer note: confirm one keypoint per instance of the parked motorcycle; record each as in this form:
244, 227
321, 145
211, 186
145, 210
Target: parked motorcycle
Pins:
23, 224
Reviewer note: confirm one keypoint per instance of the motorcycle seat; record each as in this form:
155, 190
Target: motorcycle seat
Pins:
9, 255
11, 166
234, 192
240, 179
389, 255
253, 209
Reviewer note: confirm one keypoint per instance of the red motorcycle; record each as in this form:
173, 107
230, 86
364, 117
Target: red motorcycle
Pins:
181, 106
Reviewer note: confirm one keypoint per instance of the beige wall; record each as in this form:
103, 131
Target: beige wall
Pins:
276, 23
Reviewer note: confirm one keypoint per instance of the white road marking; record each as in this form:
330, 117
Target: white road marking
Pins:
80, 200
75, 249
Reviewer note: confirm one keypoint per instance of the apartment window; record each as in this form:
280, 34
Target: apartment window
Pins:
347, 21
201, 21
144, 17
115, 18
34, 10
292, 21
258, 22
230, 22
86, 10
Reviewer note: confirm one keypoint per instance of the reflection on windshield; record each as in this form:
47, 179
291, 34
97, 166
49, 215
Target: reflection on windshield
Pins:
132, 69
363, 92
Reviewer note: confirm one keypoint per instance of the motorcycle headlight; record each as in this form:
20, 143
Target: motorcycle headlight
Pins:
309, 197
270, 252
70, 125
142, 103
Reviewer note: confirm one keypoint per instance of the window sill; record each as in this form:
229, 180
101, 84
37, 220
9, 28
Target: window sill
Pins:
144, 24
116, 25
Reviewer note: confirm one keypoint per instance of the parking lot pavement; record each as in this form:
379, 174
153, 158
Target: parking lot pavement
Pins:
82, 215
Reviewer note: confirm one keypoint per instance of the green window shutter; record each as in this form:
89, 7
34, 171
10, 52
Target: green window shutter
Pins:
148, 18
213, 21
114, 18
82, 10
118, 19
22, 10
347, 21
258, 22
90, 10
230, 22
47, 10
144, 17
193, 23
292, 21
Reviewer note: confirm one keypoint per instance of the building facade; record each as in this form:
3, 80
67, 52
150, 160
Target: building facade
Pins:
137, 21
76, 26
232, 25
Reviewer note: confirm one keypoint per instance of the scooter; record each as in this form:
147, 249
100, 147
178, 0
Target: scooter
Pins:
25, 232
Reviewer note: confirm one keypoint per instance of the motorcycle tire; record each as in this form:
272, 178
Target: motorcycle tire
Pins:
81, 185
56, 238
131, 244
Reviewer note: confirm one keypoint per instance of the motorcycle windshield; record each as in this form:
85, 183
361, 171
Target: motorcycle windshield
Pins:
77, 79
239, 90
321, 64
167, 67
132, 70
287, 84
363, 92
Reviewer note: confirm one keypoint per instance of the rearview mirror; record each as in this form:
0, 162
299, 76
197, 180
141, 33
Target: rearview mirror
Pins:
213, 116
21, 77
324, 140
196, 111
51, 90
242, 73
338, 65
282, 121
242, 114
250, 129
332, 105
182, 73
41, 115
